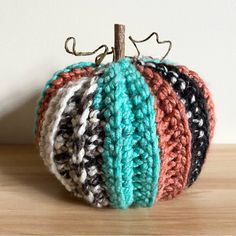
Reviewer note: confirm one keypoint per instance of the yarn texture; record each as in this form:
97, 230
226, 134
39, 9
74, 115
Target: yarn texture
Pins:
131, 156
195, 105
207, 94
174, 133
125, 134
79, 143
58, 80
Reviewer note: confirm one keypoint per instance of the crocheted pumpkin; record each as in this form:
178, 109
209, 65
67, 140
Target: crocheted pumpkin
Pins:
127, 133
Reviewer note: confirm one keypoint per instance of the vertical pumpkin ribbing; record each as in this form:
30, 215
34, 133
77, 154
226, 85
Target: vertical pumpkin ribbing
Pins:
146, 161
110, 148
75, 148
196, 108
58, 80
174, 135
87, 144
49, 129
65, 157
131, 156
207, 94
112, 100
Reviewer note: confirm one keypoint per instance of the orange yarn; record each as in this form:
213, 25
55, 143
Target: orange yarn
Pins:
61, 81
174, 135
201, 84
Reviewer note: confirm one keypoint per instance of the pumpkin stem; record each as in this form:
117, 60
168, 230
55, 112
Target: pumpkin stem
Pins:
119, 50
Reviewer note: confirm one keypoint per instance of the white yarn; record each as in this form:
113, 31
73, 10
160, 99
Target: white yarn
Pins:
50, 124
49, 141
90, 115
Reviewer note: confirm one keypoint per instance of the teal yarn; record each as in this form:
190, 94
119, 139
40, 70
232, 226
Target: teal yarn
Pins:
146, 162
111, 98
131, 161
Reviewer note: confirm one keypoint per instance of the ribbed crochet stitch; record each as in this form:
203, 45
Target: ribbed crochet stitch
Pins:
196, 108
207, 94
49, 129
174, 135
125, 133
78, 145
58, 80
131, 155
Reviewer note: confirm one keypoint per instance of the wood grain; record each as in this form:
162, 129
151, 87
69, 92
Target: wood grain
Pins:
119, 41
32, 202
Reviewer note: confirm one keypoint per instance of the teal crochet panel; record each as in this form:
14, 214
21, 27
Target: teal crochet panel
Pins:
111, 98
131, 161
146, 159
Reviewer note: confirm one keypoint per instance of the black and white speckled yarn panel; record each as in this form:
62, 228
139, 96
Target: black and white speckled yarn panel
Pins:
78, 145
197, 113
50, 124
88, 144
64, 144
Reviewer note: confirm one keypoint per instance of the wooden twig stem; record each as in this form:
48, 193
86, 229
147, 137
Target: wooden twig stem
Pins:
119, 41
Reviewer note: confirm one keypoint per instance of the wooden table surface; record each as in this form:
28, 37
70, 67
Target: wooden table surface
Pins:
32, 202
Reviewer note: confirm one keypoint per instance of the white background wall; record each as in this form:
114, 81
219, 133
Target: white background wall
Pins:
32, 34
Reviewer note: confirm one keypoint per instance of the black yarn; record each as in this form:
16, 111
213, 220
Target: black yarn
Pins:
196, 107
63, 155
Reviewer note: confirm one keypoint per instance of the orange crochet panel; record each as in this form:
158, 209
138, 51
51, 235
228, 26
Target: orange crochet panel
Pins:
174, 135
